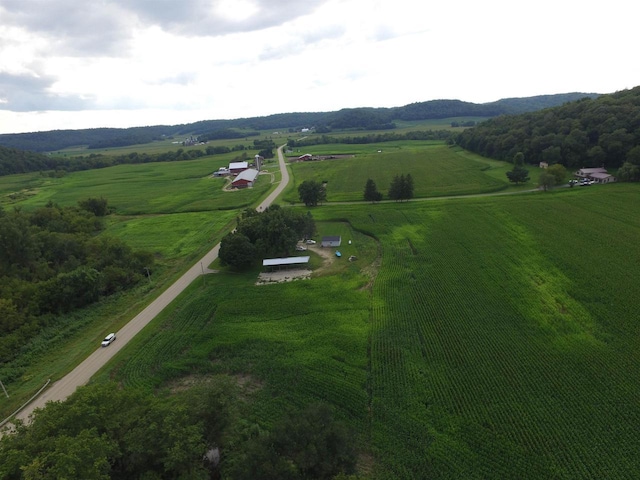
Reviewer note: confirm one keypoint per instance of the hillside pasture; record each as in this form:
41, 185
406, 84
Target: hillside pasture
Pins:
437, 170
151, 188
172, 236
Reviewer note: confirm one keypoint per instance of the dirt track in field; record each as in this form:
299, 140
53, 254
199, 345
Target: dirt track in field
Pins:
81, 375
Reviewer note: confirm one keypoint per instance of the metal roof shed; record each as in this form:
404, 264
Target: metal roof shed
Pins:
272, 263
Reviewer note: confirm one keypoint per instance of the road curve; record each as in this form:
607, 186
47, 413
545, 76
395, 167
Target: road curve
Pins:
81, 375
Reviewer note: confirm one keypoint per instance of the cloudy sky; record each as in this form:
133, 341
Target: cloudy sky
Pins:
120, 63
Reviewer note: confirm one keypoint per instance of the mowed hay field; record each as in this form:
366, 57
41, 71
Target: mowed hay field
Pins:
437, 170
150, 188
172, 209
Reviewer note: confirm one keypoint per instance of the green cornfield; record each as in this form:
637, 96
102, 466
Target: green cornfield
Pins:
484, 338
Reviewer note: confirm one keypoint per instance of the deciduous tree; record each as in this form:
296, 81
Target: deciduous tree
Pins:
312, 192
307, 444
547, 180
236, 250
559, 173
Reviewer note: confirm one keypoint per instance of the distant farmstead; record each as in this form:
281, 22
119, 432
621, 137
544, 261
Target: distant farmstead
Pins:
598, 175
245, 179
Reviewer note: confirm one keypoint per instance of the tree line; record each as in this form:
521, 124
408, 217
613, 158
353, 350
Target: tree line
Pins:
401, 189
600, 132
53, 262
369, 138
14, 161
104, 431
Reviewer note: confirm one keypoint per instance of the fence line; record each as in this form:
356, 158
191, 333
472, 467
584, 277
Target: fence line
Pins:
24, 405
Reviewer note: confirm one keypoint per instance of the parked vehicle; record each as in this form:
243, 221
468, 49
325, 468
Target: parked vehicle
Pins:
311, 242
108, 340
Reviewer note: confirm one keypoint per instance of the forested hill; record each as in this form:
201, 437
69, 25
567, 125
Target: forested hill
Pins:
19, 161
351, 118
604, 131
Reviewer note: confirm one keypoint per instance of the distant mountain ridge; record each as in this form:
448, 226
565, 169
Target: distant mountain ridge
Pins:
348, 118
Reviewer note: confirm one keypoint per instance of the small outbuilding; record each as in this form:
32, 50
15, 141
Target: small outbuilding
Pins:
331, 241
221, 172
284, 263
245, 179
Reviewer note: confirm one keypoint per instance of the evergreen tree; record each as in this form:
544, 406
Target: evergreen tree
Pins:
395, 188
401, 187
407, 190
371, 193
518, 174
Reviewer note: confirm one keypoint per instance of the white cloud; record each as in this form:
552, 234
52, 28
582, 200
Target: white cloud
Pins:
205, 59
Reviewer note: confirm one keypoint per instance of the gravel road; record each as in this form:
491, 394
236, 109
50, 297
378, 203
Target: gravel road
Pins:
81, 375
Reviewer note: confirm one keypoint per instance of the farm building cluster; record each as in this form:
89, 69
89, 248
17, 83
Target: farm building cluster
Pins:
597, 175
244, 174
307, 157
589, 175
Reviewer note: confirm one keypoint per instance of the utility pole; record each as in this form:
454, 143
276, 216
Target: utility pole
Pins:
204, 280
148, 274
4, 389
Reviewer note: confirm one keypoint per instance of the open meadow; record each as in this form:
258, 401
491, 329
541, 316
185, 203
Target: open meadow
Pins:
472, 338
437, 170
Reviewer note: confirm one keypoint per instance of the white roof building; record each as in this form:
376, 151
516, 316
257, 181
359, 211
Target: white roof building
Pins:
286, 262
246, 178
238, 166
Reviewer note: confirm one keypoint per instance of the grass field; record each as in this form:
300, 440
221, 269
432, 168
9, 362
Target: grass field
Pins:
168, 187
437, 170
